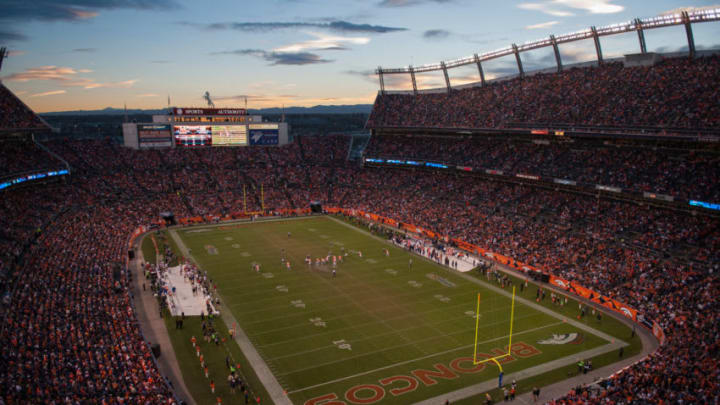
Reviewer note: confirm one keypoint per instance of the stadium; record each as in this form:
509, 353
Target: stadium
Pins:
546, 236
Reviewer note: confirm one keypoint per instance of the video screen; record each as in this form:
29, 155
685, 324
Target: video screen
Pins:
229, 135
192, 135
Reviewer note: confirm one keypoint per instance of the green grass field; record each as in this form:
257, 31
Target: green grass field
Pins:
378, 332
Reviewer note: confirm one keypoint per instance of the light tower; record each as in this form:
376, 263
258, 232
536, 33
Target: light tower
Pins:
3, 55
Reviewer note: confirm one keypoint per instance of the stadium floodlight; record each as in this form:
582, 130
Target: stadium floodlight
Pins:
3, 54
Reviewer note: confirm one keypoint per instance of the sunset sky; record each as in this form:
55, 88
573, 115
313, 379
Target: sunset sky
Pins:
92, 54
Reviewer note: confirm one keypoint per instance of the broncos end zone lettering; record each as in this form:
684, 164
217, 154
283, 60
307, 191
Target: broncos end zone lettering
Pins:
402, 384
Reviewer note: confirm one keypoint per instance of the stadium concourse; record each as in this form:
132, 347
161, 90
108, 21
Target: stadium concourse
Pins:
69, 328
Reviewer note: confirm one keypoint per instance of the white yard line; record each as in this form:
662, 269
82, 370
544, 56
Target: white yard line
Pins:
508, 294
393, 318
323, 300
407, 361
395, 331
271, 383
265, 375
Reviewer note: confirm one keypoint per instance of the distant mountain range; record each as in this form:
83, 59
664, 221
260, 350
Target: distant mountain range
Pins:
318, 109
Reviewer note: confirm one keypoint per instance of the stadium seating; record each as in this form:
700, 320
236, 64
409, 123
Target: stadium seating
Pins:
677, 93
22, 155
679, 173
72, 336
14, 114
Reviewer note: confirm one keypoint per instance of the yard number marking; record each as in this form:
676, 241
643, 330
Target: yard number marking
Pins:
342, 345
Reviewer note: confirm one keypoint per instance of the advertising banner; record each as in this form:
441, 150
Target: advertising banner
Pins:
264, 136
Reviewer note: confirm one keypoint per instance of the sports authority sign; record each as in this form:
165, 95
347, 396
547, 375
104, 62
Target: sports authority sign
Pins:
209, 111
398, 385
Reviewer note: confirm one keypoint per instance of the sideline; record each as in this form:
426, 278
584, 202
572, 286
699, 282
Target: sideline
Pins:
273, 387
649, 344
153, 326
560, 388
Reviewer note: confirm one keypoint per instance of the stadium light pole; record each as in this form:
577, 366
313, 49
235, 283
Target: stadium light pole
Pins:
598, 48
641, 35
3, 55
688, 31
558, 60
412, 78
382, 80
447, 78
517, 58
480, 69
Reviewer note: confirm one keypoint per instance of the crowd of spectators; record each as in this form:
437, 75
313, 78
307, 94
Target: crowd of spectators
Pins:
70, 328
68, 324
675, 93
22, 155
16, 115
653, 259
683, 173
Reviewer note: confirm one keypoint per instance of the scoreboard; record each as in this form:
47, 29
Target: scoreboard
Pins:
154, 135
226, 135
192, 135
198, 127
229, 135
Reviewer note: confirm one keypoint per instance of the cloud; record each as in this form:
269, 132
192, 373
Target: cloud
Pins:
160, 61
49, 93
689, 9
46, 73
148, 95
260, 100
545, 8
6, 36
256, 98
436, 34
323, 43
264, 84
111, 85
367, 75
592, 6
279, 58
73, 10
559, 8
684, 48
87, 50
66, 76
576, 54
407, 3
350, 27
541, 25
15, 52
341, 26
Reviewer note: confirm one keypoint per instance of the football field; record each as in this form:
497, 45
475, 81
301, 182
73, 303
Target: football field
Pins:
381, 330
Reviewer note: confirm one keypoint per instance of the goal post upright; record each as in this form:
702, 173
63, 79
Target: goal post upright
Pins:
494, 359
477, 327
512, 319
